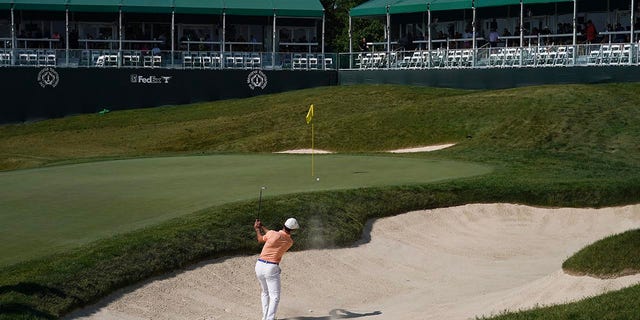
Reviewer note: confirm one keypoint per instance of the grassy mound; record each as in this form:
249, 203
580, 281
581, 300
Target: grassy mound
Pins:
573, 145
614, 256
622, 304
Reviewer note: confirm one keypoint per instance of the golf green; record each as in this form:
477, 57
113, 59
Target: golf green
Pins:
50, 209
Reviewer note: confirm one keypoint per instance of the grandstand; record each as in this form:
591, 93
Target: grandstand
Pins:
498, 33
289, 34
254, 34
87, 55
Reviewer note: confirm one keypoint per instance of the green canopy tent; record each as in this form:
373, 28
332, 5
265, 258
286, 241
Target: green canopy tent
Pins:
300, 9
388, 7
198, 6
94, 5
40, 5
143, 6
275, 8
212, 7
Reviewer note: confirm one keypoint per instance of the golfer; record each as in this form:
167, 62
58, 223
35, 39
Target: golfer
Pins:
276, 243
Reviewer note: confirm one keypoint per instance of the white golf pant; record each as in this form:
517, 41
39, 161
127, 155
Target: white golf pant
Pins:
269, 277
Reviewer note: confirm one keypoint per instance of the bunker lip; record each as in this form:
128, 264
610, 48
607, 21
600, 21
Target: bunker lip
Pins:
305, 151
405, 150
424, 148
448, 263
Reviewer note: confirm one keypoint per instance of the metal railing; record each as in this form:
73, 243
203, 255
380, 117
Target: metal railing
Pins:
484, 57
496, 57
106, 58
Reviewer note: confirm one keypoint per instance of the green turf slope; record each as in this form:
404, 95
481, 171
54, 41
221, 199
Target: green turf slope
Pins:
617, 255
50, 209
569, 145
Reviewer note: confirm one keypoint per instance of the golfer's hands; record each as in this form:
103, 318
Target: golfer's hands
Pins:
257, 225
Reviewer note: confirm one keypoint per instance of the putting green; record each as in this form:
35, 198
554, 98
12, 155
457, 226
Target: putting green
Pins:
50, 209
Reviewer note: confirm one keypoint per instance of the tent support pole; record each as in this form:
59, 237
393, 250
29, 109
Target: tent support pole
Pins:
388, 38
273, 42
631, 36
475, 44
120, 37
13, 37
350, 45
224, 36
66, 35
323, 21
575, 30
173, 34
521, 29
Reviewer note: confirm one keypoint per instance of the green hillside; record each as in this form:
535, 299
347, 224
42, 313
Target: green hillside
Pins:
572, 145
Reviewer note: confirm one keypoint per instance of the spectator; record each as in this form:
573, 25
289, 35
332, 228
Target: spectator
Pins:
155, 51
493, 38
620, 37
468, 34
590, 32
363, 45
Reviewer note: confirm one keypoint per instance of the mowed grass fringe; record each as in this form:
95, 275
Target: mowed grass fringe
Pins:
49, 288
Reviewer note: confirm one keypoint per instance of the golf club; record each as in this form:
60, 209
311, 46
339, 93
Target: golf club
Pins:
260, 201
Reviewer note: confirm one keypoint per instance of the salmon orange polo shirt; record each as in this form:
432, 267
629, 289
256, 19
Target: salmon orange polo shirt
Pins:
276, 244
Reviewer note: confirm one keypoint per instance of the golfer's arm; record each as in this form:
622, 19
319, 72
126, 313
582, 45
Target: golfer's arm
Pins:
259, 236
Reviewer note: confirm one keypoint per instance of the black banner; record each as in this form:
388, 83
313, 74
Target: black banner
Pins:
43, 93
493, 78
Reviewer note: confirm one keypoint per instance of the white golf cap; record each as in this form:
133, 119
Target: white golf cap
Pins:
292, 224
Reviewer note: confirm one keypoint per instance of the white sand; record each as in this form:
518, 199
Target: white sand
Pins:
451, 263
305, 151
424, 149
406, 150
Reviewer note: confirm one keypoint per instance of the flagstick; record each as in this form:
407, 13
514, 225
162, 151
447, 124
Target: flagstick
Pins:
312, 149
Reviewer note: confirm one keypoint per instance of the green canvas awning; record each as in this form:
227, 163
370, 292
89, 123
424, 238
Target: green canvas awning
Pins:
297, 8
283, 8
199, 6
545, 1
495, 3
147, 6
249, 7
94, 5
373, 8
442, 5
409, 6
379, 7
42, 5
498, 3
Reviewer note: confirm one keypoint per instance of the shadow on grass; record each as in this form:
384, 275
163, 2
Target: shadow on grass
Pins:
22, 311
29, 288
338, 314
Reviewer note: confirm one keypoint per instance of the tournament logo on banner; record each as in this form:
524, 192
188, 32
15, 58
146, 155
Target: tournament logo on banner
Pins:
257, 79
48, 77
149, 79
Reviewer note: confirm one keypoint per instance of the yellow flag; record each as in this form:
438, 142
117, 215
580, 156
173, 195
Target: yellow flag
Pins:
310, 114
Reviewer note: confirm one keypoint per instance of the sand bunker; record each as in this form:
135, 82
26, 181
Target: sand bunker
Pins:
424, 149
451, 263
305, 151
407, 150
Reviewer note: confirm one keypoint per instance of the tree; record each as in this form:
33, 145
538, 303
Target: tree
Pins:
337, 26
